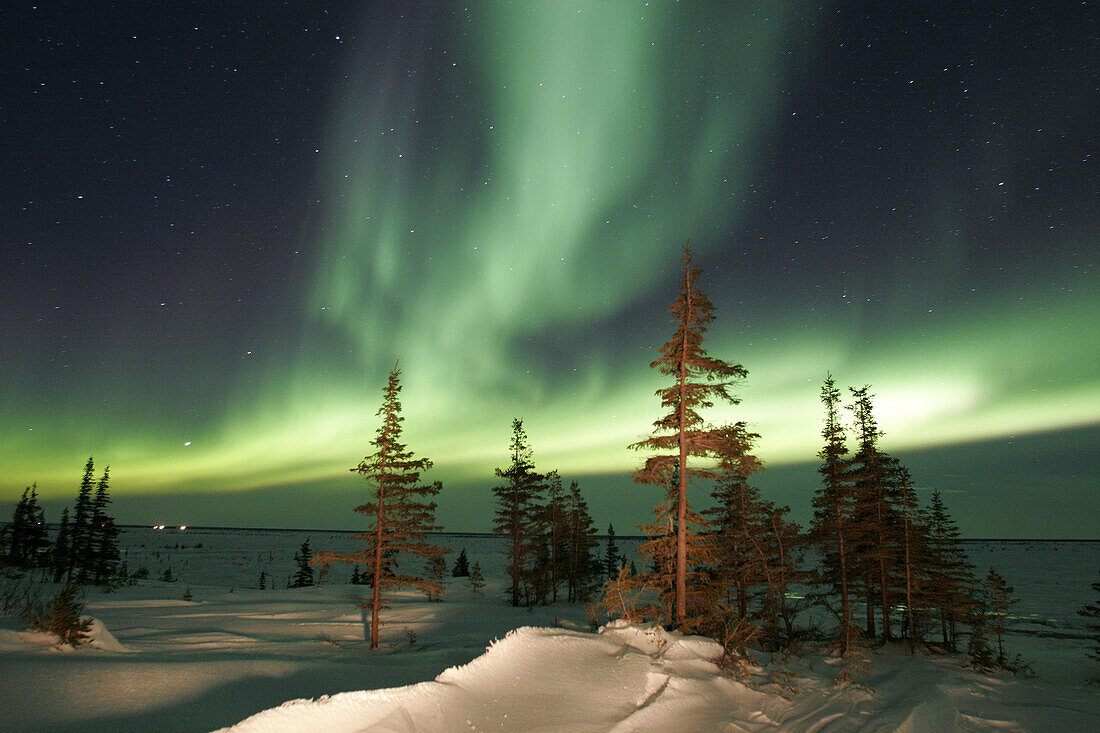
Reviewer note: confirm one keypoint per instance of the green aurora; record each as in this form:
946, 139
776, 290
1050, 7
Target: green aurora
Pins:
504, 195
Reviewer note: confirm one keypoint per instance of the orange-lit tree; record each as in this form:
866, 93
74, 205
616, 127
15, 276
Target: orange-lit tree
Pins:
698, 380
399, 517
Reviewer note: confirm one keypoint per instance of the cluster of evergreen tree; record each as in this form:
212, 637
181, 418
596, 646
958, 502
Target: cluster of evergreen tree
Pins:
890, 568
549, 543
886, 568
85, 549
25, 541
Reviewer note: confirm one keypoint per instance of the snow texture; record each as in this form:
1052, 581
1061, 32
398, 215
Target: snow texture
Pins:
233, 655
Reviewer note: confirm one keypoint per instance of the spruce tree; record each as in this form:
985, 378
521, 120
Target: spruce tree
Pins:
401, 514
434, 570
612, 559
518, 515
873, 532
303, 576
37, 538
477, 580
951, 583
698, 380
999, 599
461, 567
103, 541
914, 558
18, 531
555, 523
81, 530
582, 566
834, 505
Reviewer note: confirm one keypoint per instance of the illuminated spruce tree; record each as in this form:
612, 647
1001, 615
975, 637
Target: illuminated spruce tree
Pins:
698, 380
519, 516
399, 517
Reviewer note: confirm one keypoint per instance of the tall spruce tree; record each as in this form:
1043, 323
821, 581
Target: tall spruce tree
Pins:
557, 530
27, 534
874, 528
401, 514
103, 555
612, 559
698, 380
831, 530
582, 566
914, 558
80, 535
951, 582
519, 515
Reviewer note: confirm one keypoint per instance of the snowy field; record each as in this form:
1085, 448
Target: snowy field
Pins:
295, 660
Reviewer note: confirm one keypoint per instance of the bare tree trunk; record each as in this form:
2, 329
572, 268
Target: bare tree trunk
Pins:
681, 491
376, 598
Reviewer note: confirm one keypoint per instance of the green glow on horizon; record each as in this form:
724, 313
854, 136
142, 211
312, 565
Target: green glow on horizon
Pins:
546, 188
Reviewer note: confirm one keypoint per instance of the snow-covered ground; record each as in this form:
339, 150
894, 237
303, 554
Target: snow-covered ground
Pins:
235, 655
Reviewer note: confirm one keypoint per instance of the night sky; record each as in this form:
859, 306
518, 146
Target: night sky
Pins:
222, 226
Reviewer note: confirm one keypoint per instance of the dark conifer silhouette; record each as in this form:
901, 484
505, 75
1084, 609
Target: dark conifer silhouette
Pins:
27, 540
612, 559
303, 576
103, 558
401, 514
80, 547
582, 566
461, 567
698, 380
518, 515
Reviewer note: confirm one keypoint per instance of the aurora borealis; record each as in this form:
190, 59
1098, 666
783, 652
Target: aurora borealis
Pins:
221, 228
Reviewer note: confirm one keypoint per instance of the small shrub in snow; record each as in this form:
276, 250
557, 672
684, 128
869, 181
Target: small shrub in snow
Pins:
62, 617
477, 580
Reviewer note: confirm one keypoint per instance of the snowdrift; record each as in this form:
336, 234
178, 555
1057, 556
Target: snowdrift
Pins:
630, 678
625, 678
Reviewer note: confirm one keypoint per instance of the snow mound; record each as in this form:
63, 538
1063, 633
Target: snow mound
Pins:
100, 638
625, 678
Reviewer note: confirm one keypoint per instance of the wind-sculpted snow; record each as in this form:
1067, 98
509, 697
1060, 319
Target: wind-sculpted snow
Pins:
624, 677
630, 678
